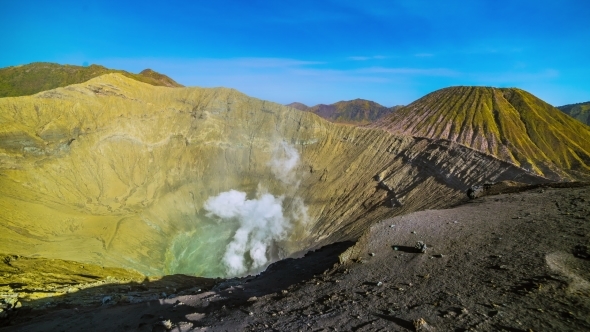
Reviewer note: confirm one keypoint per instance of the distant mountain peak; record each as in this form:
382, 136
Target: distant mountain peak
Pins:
299, 106
41, 76
356, 111
508, 123
579, 111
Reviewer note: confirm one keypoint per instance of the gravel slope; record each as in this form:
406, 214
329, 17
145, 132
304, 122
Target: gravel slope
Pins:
509, 262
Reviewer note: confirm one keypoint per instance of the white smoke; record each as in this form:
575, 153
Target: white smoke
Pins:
299, 210
283, 162
262, 221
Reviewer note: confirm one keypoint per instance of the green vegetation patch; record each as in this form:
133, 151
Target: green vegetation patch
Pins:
41, 76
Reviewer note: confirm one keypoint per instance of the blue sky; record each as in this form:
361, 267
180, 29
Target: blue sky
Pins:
392, 52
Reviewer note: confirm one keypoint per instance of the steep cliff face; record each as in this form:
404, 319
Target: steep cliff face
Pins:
206, 181
510, 124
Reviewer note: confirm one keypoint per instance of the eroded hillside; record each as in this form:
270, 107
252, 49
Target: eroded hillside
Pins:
510, 124
209, 182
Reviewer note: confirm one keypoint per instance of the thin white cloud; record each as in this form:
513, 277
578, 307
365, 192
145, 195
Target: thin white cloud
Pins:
424, 55
264, 62
206, 64
331, 75
359, 58
412, 71
285, 80
365, 58
515, 78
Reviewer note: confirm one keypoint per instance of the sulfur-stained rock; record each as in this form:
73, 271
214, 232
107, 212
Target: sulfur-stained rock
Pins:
116, 172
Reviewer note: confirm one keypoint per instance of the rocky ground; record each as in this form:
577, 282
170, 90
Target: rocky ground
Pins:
507, 262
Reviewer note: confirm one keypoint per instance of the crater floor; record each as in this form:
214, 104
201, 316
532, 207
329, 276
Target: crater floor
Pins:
508, 262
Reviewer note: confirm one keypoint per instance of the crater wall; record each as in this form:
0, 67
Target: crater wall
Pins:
116, 172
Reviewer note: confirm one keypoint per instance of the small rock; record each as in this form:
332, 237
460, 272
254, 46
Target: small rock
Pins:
167, 324
413, 232
421, 246
582, 251
372, 254
421, 325
391, 226
475, 192
379, 283
10, 302
185, 325
250, 313
107, 299
253, 299
395, 248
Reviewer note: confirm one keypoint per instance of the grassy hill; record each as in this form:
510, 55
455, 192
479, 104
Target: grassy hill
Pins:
579, 111
510, 124
358, 111
41, 76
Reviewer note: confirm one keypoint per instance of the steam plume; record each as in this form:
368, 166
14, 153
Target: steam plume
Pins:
261, 224
284, 160
262, 221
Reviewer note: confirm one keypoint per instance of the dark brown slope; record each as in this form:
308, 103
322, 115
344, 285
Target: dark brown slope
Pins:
579, 111
41, 76
299, 106
510, 124
358, 111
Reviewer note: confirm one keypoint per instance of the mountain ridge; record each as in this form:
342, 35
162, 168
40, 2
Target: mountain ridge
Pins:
579, 111
357, 111
509, 123
35, 77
